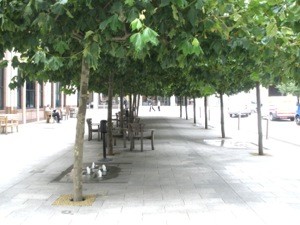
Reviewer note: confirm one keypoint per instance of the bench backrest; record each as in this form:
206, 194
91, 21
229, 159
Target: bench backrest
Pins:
3, 121
136, 127
7, 121
89, 122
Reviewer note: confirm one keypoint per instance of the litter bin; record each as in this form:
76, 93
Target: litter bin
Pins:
103, 130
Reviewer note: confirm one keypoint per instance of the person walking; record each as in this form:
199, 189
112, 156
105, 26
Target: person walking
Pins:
158, 105
150, 102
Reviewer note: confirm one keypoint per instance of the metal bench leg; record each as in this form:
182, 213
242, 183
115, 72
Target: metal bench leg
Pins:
152, 139
142, 138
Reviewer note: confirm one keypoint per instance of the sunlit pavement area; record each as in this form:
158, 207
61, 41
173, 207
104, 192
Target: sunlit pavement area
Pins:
192, 177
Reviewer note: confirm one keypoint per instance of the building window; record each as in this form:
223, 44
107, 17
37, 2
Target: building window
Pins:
57, 95
274, 91
19, 97
41, 94
1, 88
30, 94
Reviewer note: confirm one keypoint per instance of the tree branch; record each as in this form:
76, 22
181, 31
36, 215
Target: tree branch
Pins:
107, 4
123, 38
77, 36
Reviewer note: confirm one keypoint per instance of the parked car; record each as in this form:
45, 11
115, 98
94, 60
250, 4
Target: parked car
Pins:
242, 110
282, 111
281, 107
297, 115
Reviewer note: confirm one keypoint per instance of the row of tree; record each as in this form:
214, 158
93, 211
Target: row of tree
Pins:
162, 47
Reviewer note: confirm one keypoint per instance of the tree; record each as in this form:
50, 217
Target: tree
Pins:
290, 88
80, 31
173, 33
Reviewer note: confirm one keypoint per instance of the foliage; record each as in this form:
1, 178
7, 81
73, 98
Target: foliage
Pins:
289, 88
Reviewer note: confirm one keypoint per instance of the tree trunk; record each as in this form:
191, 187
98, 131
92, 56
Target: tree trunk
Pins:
109, 115
128, 118
133, 107
138, 105
180, 107
259, 121
78, 148
186, 108
194, 107
205, 112
222, 115
121, 109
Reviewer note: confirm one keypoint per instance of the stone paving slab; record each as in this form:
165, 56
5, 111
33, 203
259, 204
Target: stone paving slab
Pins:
185, 180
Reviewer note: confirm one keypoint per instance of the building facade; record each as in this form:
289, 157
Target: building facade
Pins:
29, 100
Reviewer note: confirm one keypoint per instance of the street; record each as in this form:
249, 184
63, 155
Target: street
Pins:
282, 130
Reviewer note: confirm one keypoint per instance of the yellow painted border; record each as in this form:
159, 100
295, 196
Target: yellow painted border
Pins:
65, 200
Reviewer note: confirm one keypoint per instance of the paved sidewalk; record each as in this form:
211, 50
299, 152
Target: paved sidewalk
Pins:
192, 177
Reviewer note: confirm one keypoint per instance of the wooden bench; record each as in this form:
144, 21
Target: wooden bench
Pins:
73, 112
92, 128
9, 120
64, 113
118, 132
137, 131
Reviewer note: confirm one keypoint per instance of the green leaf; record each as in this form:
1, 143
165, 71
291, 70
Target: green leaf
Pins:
3, 63
112, 21
149, 35
181, 3
15, 62
186, 47
115, 22
199, 4
104, 24
175, 12
61, 47
120, 52
38, 57
136, 24
236, 16
272, 28
137, 41
287, 31
129, 2
164, 3
28, 10
195, 42
88, 33
89, 4
196, 47
96, 38
57, 8
69, 14
254, 76
192, 16
54, 63
92, 53
198, 50
274, 2
132, 15
181, 59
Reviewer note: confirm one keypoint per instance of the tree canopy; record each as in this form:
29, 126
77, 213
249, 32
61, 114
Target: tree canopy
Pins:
151, 47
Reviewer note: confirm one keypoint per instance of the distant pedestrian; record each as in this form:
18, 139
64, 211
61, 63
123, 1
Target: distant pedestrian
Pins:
158, 105
125, 102
55, 113
150, 102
